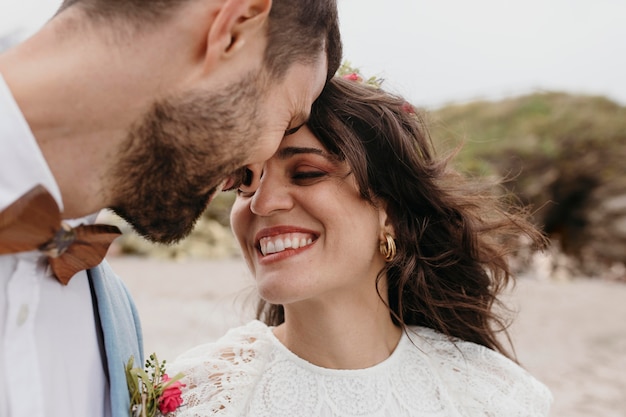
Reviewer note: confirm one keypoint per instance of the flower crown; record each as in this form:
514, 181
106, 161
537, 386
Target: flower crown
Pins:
348, 72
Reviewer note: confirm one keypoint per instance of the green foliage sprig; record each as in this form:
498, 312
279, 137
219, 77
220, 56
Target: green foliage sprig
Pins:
152, 392
346, 70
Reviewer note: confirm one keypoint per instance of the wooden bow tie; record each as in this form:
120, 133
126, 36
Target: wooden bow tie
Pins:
33, 222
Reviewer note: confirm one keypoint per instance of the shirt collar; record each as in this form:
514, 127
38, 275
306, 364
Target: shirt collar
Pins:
22, 165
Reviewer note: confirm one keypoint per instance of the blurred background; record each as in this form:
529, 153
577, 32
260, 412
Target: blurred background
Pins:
536, 93
533, 89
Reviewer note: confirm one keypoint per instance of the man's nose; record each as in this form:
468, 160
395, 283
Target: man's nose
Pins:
252, 178
272, 195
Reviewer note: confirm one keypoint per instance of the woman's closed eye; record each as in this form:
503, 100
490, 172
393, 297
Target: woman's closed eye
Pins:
307, 176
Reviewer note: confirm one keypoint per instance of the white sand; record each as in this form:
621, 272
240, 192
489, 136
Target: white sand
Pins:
570, 335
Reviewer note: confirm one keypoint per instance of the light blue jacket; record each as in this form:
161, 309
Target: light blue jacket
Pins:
121, 332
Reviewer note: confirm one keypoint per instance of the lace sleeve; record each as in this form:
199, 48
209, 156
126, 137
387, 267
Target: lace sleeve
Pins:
484, 382
220, 375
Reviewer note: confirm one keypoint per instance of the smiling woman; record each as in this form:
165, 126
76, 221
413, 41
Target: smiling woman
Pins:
378, 269
308, 194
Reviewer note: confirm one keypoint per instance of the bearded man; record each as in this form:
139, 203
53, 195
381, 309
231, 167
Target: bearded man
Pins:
147, 107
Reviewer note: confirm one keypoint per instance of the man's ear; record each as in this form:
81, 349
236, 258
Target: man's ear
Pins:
235, 23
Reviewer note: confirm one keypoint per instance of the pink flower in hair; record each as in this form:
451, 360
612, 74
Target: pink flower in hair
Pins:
353, 76
408, 108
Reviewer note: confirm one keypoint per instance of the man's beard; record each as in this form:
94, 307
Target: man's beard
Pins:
176, 157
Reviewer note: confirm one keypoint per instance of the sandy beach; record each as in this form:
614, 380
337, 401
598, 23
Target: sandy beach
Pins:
570, 334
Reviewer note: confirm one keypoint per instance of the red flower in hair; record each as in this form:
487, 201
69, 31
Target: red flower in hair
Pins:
353, 76
408, 108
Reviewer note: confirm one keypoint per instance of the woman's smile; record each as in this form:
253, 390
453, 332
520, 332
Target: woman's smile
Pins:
280, 243
282, 240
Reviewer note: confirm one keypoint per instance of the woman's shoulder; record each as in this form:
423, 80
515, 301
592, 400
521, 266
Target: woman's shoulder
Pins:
249, 336
482, 378
218, 375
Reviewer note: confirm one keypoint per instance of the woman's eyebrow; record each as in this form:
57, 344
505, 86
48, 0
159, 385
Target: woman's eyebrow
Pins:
289, 151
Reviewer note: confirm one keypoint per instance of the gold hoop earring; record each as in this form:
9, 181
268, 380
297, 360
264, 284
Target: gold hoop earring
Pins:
388, 248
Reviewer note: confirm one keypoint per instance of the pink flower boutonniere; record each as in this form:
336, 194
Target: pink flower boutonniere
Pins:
152, 392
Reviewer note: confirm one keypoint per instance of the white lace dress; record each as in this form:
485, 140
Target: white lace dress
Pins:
248, 372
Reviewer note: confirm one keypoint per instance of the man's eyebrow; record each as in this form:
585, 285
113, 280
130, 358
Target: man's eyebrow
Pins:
293, 130
298, 120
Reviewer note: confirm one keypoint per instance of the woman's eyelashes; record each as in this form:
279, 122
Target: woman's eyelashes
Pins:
307, 176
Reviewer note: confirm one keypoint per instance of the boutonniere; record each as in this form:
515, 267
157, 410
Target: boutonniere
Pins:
152, 392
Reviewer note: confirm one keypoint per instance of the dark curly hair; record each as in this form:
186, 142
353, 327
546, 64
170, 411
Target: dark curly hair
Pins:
453, 233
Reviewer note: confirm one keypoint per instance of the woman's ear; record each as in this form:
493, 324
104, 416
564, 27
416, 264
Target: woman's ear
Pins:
385, 224
236, 22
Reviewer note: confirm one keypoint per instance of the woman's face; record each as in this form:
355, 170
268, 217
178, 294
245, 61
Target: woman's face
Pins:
306, 233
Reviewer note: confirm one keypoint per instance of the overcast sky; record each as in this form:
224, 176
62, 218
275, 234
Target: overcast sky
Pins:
440, 51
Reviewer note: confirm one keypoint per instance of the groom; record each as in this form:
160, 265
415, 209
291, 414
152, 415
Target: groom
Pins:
149, 108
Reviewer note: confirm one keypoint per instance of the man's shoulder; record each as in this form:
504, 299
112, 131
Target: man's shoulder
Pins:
105, 270
105, 281
115, 303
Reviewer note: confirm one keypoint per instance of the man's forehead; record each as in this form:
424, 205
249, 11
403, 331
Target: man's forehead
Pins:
293, 96
312, 78
309, 77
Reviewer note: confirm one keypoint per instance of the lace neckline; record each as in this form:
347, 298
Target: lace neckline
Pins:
249, 372
303, 363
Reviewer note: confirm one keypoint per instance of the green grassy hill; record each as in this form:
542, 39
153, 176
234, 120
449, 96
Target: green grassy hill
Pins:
564, 155
546, 125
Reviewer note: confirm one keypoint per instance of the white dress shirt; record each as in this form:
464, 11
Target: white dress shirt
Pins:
50, 360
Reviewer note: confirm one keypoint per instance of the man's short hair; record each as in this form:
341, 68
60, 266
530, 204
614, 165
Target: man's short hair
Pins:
298, 29
136, 11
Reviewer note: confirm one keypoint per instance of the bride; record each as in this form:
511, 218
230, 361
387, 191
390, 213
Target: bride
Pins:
378, 269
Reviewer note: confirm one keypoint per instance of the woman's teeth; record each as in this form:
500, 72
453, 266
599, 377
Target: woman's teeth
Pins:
280, 243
